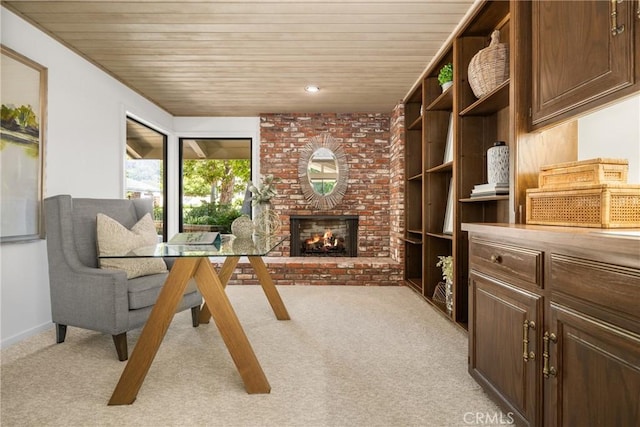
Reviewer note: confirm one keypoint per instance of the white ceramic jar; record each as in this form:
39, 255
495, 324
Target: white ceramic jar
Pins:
498, 163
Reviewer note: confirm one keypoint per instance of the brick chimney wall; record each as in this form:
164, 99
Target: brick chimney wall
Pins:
396, 185
374, 192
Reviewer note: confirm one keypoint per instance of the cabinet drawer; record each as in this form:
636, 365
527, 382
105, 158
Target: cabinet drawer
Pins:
607, 291
506, 261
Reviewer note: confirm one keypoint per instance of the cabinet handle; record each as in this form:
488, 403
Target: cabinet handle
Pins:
496, 259
615, 28
548, 371
638, 10
526, 355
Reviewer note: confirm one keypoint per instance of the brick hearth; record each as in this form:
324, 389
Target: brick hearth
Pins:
360, 271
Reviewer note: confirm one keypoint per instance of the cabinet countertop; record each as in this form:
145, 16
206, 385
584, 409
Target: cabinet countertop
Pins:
624, 243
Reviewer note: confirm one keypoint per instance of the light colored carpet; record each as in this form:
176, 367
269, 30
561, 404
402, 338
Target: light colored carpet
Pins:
350, 356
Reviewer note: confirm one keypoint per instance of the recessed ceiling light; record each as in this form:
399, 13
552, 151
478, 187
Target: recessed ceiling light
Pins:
312, 89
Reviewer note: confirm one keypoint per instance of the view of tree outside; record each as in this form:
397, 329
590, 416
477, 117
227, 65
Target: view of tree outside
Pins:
215, 173
219, 180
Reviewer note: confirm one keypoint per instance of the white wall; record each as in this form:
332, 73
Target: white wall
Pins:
83, 156
613, 132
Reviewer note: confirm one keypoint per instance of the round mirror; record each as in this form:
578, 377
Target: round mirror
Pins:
323, 172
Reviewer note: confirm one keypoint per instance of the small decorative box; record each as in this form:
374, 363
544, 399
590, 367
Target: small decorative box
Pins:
593, 171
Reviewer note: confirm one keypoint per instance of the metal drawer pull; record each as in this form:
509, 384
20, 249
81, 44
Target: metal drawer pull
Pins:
548, 371
615, 28
496, 259
526, 355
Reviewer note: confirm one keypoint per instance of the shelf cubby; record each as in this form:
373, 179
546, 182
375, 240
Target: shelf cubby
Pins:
473, 125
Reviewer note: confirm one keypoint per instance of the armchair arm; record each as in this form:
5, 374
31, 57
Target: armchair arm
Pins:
90, 298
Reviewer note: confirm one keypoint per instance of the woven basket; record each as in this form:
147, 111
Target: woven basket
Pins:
586, 205
489, 68
440, 295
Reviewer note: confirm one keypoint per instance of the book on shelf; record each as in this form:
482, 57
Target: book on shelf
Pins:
447, 227
196, 238
490, 193
492, 189
448, 149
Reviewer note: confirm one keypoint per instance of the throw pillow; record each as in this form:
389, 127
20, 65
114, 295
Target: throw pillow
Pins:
115, 239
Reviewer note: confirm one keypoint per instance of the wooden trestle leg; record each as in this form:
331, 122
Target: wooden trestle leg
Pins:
153, 332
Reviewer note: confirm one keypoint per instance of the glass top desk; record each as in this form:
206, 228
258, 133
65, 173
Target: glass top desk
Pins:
192, 261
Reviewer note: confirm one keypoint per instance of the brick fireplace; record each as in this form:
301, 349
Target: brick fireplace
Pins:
373, 146
365, 139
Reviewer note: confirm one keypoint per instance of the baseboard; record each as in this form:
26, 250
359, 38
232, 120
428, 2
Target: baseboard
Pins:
7, 342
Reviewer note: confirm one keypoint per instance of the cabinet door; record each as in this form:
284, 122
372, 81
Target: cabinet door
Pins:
499, 340
593, 372
576, 57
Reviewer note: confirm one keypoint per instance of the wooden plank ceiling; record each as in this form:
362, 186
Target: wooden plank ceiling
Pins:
246, 57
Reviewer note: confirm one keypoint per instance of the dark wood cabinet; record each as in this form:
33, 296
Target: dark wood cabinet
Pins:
584, 53
502, 357
552, 312
593, 374
554, 328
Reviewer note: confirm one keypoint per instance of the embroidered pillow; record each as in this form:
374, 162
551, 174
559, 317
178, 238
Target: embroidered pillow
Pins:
115, 239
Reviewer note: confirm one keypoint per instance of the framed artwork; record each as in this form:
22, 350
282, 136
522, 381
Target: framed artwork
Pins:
23, 94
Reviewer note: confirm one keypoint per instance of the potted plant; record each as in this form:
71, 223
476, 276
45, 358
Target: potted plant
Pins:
445, 76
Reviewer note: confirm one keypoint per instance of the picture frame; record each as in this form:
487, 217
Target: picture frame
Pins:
447, 227
23, 97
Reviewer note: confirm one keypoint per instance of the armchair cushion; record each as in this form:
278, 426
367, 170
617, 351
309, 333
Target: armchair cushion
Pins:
115, 239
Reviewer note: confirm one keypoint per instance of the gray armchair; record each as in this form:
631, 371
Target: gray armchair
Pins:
85, 296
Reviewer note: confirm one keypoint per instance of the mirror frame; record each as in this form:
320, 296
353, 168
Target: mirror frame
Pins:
320, 201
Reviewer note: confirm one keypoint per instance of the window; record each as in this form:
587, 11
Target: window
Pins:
145, 169
213, 182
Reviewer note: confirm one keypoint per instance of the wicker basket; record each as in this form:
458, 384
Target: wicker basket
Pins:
440, 295
489, 68
593, 171
596, 206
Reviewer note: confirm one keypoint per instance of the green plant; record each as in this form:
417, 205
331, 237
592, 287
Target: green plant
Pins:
446, 264
221, 215
264, 191
446, 74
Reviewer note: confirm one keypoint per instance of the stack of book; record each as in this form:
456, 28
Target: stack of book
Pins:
196, 238
492, 189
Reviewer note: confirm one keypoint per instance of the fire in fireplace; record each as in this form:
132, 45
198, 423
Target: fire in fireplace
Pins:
325, 244
329, 235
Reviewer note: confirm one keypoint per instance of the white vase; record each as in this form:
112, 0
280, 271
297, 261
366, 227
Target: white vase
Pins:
446, 85
266, 221
498, 163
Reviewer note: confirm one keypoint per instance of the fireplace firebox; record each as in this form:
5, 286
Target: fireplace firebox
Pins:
324, 235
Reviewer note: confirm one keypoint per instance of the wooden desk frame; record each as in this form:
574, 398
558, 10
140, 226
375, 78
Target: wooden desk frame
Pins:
217, 305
